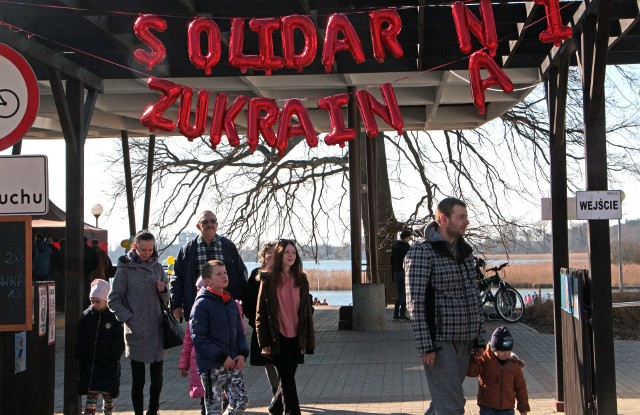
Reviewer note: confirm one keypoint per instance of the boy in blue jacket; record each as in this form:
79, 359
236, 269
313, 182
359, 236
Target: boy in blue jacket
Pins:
219, 340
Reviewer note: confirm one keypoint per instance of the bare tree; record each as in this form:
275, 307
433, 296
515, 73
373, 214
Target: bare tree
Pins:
494, 169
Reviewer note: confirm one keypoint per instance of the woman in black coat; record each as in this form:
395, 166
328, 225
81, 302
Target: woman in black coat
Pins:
265, 259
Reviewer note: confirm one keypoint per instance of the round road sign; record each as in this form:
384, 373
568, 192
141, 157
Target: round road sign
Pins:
19, 97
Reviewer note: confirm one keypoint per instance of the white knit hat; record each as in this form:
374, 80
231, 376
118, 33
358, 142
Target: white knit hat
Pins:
100, 289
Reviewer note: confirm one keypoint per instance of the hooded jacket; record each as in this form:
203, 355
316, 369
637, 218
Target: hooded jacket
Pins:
442, 292
499, 384
216, 330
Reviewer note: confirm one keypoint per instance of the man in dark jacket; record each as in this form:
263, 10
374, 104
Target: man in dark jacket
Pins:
398, 252
444, 303
188, 267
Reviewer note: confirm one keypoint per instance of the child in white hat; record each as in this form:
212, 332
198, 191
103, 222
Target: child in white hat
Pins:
99, 348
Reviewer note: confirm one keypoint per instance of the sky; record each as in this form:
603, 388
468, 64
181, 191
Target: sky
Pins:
97, 179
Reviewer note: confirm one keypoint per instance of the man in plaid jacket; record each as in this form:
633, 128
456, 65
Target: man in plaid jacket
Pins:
444, 303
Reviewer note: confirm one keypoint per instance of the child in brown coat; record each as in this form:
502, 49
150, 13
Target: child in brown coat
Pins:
500, 377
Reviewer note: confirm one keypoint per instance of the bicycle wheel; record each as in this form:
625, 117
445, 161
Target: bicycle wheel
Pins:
509, 304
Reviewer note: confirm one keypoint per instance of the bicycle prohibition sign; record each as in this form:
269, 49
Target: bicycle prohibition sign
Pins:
9, 103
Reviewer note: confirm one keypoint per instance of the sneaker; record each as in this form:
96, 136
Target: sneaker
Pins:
396, 318
405, 318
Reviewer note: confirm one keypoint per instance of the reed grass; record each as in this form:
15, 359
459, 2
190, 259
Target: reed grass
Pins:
535, 275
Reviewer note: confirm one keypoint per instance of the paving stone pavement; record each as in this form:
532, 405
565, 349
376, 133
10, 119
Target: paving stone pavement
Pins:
374, 373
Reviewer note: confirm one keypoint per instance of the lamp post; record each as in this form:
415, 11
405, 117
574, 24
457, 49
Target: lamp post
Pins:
96, 210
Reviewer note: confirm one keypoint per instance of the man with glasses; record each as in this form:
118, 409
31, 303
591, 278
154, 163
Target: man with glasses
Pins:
206, 246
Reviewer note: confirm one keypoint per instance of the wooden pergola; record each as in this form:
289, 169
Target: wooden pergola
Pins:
81, 52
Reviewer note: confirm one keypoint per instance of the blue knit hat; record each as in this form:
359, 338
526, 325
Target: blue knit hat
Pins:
501, 339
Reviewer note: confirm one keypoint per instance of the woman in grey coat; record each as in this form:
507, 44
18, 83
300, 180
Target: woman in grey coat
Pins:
134, 301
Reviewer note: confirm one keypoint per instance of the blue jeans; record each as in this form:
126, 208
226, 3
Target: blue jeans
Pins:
490, 411
400, 309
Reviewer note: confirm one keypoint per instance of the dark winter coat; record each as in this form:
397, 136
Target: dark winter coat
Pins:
499, 384
183, 285
99, 347
216, 330
249, 307
267, 323
42, 255
398, 252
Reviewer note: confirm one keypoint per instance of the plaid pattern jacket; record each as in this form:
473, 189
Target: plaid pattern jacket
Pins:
442, 294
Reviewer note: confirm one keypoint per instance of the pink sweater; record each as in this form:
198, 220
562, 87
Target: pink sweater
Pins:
188, 361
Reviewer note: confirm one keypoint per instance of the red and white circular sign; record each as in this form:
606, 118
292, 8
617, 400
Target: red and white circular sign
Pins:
19, 97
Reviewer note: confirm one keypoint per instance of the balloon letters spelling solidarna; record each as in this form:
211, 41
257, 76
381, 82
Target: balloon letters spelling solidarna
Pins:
387, 37
480, 60
350, 42
466, 22
305, 25
266, 61
389, 113
555, 32
210, 28
142, 28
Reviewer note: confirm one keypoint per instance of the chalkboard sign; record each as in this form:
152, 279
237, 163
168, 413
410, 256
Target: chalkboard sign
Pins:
15, 273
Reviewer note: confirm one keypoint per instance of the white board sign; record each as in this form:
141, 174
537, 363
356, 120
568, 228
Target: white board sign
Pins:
599, 204
24, 185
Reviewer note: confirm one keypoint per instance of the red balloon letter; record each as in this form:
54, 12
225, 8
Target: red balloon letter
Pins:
223, 119
381, 38
497, 76
555, 32
390, 113
236, 43
465, 21
265, 29
212, 31
339, 23
259, 124
304, 23
152, 117
339, 133
286, 130
184, 113
142, 28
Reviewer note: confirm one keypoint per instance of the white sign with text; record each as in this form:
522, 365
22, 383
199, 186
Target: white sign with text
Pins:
24, 188
599, 204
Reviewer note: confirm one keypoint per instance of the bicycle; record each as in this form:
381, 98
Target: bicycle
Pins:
507, 301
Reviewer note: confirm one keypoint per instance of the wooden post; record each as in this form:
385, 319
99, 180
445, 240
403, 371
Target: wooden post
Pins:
354, 191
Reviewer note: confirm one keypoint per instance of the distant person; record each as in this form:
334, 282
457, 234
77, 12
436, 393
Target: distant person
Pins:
284, 323
220, 343
265, 259
41, 258
134, 298
316, 301
444, 305
99, 347
90, 265
206, 246
324, 302
105, 268
500, 378
55, 260
398, 252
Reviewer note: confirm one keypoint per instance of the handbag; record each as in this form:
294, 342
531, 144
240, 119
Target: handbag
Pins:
173, 332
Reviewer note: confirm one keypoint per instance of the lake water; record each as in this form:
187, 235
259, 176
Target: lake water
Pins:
344, 297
